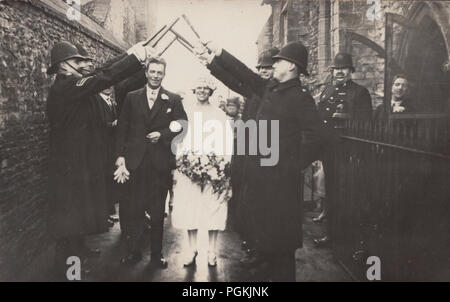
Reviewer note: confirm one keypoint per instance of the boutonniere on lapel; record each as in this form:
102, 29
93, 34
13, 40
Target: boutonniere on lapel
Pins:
164, 96
169, 110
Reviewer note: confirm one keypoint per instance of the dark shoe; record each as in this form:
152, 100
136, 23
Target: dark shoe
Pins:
114, 218
250, 251
131, 258
319, 218
247, 246
90, 253
251, 260
110, 223
191, 260
158, 262
322, 242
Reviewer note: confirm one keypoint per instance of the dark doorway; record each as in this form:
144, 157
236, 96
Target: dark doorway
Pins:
426, 55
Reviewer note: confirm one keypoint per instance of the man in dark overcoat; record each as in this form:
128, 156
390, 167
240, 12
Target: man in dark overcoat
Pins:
76, 161
108, 118
147, 125
341, 99
241, 212
285, 101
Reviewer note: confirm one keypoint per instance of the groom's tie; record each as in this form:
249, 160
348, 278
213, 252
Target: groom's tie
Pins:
152, 98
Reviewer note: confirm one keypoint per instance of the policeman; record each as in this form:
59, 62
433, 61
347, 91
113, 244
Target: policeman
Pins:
232, 107
108, 117
343, 98
265, 71
77, 194
283, 101
241, 210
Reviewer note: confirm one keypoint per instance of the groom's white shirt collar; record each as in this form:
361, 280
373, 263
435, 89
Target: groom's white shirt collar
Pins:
152, 94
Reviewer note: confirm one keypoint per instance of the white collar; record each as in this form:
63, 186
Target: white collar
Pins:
151, 90
106, 98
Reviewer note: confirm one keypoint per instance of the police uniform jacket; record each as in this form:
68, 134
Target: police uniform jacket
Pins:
77, 151
352, 97
278, 223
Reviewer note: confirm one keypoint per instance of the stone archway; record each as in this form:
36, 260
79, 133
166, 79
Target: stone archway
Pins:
424, 54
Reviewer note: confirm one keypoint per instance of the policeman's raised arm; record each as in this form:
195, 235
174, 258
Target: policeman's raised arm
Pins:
244, 75
229, 80
107, 76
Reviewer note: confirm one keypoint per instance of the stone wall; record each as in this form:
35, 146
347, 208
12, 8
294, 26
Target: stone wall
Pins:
28, 30
352, 15
290, 21
369, 21
323, 27
130, 21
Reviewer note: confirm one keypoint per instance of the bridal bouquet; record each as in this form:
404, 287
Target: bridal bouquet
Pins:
207, 170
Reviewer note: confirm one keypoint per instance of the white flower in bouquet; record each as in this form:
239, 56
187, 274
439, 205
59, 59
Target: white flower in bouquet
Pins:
213, 174
191, 158
222, 165
197, 170
204, 160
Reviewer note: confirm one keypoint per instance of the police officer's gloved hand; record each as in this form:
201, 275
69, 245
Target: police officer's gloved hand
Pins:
214, 48
203, 54
206, 52
140, 51
151, 53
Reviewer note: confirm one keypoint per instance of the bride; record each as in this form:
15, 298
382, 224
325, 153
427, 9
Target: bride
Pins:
202, 187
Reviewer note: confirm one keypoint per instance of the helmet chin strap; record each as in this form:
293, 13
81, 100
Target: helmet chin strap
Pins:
76, 69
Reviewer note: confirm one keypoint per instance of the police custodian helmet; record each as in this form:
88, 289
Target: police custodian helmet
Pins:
343, 60
297, 53
266, 57
61, 52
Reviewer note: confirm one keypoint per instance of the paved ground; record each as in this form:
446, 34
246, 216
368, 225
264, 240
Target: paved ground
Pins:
312, 264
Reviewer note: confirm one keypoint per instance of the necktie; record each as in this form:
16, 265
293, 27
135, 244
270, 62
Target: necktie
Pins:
108, 101
152, 98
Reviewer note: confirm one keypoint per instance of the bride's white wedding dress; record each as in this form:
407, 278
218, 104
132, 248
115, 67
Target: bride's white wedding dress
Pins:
194, 208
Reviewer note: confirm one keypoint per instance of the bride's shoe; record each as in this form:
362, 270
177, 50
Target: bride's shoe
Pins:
191, 260
212, 259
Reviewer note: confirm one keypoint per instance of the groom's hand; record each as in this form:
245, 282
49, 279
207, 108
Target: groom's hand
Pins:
121, 174
120, 161
154, 136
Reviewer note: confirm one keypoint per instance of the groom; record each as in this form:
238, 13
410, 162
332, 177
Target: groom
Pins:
146, 127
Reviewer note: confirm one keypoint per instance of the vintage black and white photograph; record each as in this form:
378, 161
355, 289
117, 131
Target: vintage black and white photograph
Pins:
224, 141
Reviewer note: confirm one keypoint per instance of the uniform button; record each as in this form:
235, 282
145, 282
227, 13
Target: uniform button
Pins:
304, 90
331, 98
324, 121
328, 109
337, 88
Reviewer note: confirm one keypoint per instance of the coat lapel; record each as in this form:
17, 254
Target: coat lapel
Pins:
143, 103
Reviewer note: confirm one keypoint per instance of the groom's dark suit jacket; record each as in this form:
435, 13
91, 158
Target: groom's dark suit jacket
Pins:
149, 163
137, 120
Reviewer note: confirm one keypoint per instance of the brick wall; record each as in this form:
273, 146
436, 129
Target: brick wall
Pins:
28, 30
